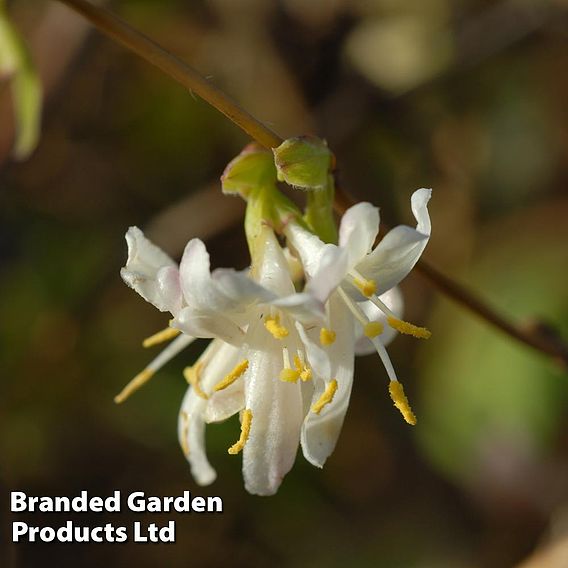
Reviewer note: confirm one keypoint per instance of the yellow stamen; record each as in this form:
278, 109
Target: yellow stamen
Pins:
289, 375
273, 326
193, 377
401, 402
245, 431
137, 382
184, 432
367, 287
306, 374
161, 337
409, 328
373, 328
232, 376
327, 336
326, 397
303, 369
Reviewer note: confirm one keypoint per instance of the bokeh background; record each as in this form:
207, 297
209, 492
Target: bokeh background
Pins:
468, 97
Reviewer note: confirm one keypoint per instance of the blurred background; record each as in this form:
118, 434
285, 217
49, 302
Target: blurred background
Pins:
468, 97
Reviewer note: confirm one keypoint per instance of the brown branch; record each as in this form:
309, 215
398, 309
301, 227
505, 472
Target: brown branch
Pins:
537, 337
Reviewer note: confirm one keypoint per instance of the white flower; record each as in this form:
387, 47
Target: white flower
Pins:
256, 365
358, 283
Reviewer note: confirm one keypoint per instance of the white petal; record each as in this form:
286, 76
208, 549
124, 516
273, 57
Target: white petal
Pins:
277, 415
358, 231
321, 431
400, 249
272, 272
226, 403
394, 300
208, 324
240, 288
309, 246
303, 307
144, 264
331, 270
191, 433
195, 276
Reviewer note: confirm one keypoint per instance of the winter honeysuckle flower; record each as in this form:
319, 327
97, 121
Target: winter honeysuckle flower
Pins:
354, 279
256, 365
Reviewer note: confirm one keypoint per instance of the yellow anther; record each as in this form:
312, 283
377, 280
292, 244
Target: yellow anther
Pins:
232, 376
401, 402
193, 377
273, 326
137, 382
184, 433
373, 328
161, 337
326, 397
367, 287
409, 328
306, 374
327, 336
289, 375
245, 431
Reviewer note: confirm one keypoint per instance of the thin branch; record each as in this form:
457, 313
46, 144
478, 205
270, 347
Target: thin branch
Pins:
538, 336
119, 31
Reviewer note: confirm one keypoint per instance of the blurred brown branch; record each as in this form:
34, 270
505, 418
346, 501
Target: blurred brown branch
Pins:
147, 49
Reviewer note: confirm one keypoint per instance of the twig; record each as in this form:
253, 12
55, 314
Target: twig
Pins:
118, 30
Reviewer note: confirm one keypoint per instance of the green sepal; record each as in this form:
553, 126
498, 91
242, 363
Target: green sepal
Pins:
319, 212
304, 162
252, 168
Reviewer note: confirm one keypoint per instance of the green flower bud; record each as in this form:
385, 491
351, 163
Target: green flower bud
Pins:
251, 169
304, 162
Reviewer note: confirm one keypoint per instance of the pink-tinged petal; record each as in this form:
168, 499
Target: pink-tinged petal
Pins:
397, 253
358, 231
144, 263
321, 431
277, 414
394, 300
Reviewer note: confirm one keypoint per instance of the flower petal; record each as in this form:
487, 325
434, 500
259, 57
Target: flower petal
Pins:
277, 416
191, 434
208, 324
332, 268
358, 231
239, 287
400, 249
308, 246
394, 300
145, 272
302, 306
321, 431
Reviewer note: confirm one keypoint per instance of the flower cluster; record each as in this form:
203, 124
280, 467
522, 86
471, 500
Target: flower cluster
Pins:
282, 359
